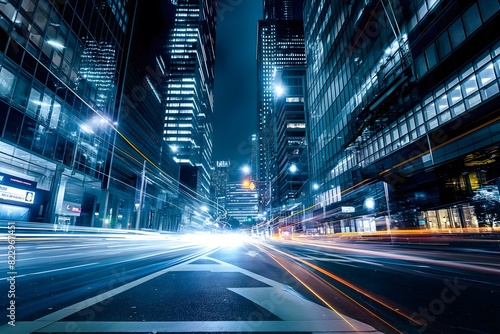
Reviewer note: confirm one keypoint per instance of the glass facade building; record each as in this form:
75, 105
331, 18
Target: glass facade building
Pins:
403, 109
241, 202
61, 64
290, 137
139, 148
280, 44
189, 92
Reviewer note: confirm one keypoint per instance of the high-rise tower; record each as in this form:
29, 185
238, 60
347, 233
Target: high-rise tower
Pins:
189, 92
280, 45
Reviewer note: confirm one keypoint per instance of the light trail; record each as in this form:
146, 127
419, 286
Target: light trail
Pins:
335, 288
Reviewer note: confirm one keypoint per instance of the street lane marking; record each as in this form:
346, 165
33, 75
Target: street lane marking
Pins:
317, 326
53, 270
317, 318
34, 326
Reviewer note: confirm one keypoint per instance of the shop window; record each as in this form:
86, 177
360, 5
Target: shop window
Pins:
457, 34
488, 8
472, 20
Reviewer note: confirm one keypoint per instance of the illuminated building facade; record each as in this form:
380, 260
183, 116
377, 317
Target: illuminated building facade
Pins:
241, 202
189, 92
218, 184
280, 44
403, 109
60, 68
290, 138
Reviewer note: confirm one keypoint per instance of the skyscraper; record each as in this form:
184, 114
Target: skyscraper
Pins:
189, 92
61, 68
280, 45
403, 108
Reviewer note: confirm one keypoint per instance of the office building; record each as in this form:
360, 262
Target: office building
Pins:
61, 68
402, 98
290, 138
219, 179
189, 92
140, 152
241, 203
280, 44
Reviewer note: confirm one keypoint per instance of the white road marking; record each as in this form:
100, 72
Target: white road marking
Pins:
324, 326
252, 253
313, 317
53, 270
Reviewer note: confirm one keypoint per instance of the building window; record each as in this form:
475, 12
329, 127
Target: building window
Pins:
472, 20
6, 82
488, 8
457, 34
443, 45
431, 55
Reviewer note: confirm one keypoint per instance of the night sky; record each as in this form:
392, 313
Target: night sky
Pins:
235, 110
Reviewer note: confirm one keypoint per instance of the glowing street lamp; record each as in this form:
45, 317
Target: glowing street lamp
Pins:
246, 169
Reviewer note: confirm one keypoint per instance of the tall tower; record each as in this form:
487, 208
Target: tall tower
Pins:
189, 92
280, 45
62, 66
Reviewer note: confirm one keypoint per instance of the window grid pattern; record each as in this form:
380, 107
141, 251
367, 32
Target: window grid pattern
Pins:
466, 89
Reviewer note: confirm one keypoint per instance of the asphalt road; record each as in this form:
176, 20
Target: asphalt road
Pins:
155, 283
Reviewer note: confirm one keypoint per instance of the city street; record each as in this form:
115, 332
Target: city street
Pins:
155, 283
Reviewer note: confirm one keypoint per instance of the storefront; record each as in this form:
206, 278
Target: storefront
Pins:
19, 198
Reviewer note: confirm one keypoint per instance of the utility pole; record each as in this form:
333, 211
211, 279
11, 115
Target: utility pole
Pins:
139, 210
